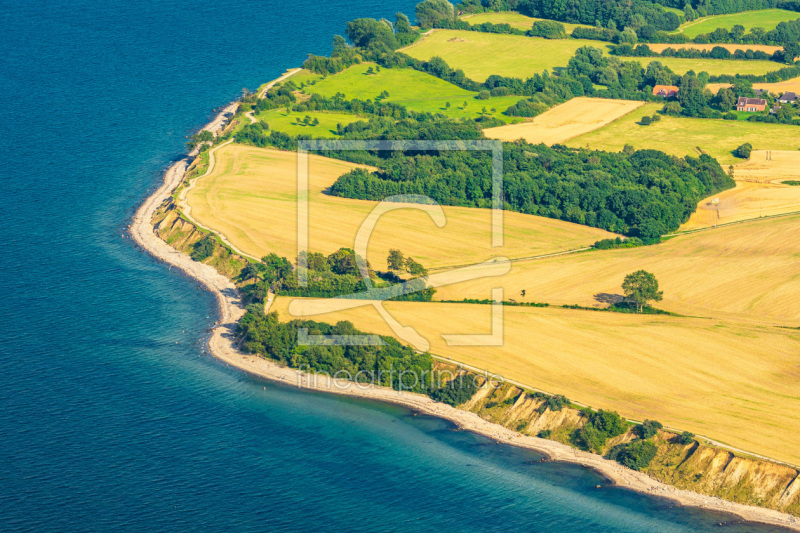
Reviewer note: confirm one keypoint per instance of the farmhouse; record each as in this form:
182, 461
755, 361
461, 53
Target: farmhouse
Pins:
751, 104
788, 98
665, 91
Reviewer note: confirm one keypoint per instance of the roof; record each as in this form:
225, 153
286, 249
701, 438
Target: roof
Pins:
750, 101
788, 96
664, 89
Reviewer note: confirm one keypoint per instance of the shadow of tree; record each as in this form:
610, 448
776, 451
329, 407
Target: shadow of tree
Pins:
608, 298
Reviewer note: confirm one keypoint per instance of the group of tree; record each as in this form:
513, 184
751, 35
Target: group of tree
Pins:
388, 364
644, 194
717, 52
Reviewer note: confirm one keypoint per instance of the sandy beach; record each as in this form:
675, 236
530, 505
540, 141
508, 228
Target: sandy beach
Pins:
231, 309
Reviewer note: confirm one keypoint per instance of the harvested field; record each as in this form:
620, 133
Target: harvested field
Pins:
660, 47
769, 165
250, 197
570, 119
743, 271
748, 200
675, 370
792, 85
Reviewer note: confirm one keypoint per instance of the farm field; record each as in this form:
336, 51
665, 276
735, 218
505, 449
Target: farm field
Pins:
660, 47
714, 67
250, 197
767, 19
746, 201
413, 89
769, 165
742, 271
682, 136
513, 19
570, 119
778, 88
480, 55
675, 370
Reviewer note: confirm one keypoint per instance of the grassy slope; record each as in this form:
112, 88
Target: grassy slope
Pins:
251, 198
676, 370
766, 18
481, 54
680, 135
413, 89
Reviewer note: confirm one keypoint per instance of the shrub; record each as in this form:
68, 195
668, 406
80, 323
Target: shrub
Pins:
686, 438
484, 95
601, 426
549, 29
648, 429
645, 121
743, 151
203, 249
544, 434
730, 115
455, 392
554, 403
636, 455
500, 91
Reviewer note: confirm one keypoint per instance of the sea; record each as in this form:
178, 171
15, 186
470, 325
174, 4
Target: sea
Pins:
113, 417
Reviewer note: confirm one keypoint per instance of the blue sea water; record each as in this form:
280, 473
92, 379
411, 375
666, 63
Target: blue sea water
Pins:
112, 418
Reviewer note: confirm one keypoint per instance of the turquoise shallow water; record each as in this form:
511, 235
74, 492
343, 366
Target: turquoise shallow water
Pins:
111, 416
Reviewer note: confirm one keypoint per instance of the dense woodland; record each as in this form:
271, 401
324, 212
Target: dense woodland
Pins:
644, 194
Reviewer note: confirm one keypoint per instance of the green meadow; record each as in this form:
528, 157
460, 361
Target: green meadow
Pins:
480, 55
767, 19
684, 136
411, 88
515, 20
292, 123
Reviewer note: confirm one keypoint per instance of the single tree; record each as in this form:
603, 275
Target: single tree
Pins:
640, 288
396, 261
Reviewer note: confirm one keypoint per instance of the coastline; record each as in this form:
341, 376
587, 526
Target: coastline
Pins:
221, 345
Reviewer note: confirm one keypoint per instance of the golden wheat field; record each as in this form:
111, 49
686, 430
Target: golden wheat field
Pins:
792, 85
743, 271
562, 122
737, 383
660, 47
250, 197
748, 200
769, 165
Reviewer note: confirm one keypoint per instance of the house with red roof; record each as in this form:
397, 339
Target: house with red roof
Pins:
751, 105
665, 91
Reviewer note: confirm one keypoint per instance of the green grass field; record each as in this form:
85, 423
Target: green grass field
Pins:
480, 55
279, 120
766, 18
681, 136
413, 89
515, 20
